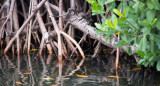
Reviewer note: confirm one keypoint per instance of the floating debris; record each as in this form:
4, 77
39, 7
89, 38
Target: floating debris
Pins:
48, 78
18, 82
112, 76
27, 73
134, 69
84, 76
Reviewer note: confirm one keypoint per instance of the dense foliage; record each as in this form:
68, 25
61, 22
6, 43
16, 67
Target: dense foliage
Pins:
136, 21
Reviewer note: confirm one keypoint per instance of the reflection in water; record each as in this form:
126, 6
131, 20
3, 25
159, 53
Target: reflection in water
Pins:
36, 70
30, 70
117, 78
44, 71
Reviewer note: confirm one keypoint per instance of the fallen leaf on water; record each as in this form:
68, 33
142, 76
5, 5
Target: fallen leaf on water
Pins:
18, 83
52, 85
33, 49
48, 78
84, 76
112, 76
47, 82
134, 69
27, 73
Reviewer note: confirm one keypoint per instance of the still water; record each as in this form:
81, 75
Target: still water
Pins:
36, 70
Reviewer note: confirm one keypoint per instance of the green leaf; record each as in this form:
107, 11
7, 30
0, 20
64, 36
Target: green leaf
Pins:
150, 6
109, 1
146, 22
113, 18
142, 23
98, 25
110, 32
146, 63
97, 8
99, 32
95, 12
156, 4
141, 61
109, 23
152, 36
146, 30
133, 23
120, 43
140, 53
152, 46
101, 2
123, 37
123, 23
129, 39
158, 25
155, 37
89, 1
154, 21
122, 19
118, 12
150, 16
125, 12
107, 38
103, 21
143, 44
151, 58
141, 5
158, 65
112, 6
136, 5
152, 63
115, 22
129, 51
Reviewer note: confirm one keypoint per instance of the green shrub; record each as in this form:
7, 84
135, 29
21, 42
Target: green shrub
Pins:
137, 23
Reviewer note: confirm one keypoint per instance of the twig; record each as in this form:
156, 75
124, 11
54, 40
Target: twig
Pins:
43, 28
79, 48
41, 45
96, 50
23, 9
71, 29
117, 54
60, 13
60, 42
16, 26
78, 43
3, 18
5, 5
56, 29
30, 24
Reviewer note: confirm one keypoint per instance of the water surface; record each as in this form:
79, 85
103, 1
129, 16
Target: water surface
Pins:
36, 70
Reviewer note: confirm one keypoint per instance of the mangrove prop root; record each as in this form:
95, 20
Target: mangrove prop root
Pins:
55, 24
24, 24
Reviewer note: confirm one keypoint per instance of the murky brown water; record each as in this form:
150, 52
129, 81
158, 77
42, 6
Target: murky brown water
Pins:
35, 70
